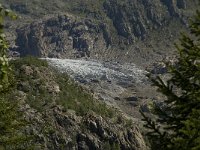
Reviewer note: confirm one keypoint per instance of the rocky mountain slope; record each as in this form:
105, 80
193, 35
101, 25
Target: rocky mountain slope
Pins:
64, 115
62, 36
122, 86
125, 30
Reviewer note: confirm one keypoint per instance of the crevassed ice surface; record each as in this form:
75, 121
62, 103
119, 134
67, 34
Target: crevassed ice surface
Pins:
107, 80
83, 70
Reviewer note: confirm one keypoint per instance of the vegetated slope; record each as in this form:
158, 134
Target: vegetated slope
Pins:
63, 115
129, 30
114, 83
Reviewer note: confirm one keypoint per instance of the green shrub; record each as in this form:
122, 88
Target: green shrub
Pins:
30, 61
73, 96
177, 123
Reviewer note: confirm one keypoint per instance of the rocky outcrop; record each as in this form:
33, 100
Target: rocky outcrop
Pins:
133, 19
119, 26
58, 128
63, 36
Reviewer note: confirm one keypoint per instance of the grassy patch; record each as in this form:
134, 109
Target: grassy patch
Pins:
29, 61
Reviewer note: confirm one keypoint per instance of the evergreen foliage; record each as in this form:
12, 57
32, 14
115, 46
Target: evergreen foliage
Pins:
11, 122
11, 126
4, 66
177, 123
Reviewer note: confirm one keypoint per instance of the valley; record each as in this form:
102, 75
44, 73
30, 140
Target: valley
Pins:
124, 86
79, 68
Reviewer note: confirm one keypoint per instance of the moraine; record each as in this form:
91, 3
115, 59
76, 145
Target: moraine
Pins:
107, 80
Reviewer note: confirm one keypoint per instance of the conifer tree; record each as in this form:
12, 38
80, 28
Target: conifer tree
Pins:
177, 123
11, 120
4, 65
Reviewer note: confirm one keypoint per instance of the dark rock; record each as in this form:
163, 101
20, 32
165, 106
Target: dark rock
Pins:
22, 8
146, 107
133, 98
82, 145
117, 98
25, 87
95, 81
133, 18
181, 4
14, 54
62, 36
159, 68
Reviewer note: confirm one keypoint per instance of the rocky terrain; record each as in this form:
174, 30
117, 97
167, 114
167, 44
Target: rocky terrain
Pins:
63, 36
123, 86
109, 30
105, 46
63, 115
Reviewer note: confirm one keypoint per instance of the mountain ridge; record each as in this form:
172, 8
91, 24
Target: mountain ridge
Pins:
128, 30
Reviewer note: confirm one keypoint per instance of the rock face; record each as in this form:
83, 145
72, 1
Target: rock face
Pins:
65, 130
58, 128
113, 29
63, 36
132, 19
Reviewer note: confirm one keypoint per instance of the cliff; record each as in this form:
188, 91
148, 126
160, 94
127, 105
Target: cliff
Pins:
127, 30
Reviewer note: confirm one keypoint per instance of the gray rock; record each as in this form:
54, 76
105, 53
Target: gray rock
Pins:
62, 36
